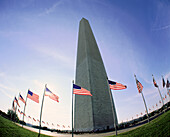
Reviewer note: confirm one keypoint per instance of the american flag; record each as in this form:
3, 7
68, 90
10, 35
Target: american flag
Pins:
139, 85
116, 86
58, 125
15, 100
167, 84
29, 117
34, 119
21, 98
38, 120
63, 126
13, 106
33, 96
80, 91
51, 95
43, 122
19, 111
163, 82
23, 113
154, 82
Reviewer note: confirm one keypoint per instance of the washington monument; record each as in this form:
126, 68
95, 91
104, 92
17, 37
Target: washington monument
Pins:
91, 113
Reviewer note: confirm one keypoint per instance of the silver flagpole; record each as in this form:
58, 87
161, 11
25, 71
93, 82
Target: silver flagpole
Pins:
72, 110
142, 98
24, 108
16, 107
41, 110
111, 98
161, 96
113, 111
145, 106
158, 91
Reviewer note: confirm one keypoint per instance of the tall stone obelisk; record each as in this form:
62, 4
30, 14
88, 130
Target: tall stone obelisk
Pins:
91, 112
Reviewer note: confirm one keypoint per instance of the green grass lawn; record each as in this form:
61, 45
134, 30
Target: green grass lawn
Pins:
159, 127
10, 129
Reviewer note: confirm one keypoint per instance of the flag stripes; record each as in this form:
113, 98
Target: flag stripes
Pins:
154, 82
80, 91
33, 96
139, 85
16, 101
116, 86
51, 95
21, 98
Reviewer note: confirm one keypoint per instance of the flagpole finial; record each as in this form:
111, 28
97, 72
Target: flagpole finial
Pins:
73, 81
45, 85
134, 75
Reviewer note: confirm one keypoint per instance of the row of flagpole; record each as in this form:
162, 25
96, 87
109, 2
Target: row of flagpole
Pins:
149, 110
35, 98
81, 91
140, 88
45, 123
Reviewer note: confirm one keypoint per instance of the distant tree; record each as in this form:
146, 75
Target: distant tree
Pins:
11, 114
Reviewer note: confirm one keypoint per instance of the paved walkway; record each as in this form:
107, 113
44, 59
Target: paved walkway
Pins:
55, 134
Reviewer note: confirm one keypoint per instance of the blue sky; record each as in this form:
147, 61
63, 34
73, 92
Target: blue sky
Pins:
39, 45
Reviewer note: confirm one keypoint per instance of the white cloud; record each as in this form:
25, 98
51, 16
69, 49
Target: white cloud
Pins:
56, 55
5, 93
51, 9
7, 88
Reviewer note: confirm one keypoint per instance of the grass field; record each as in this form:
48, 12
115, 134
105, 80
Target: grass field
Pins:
159, 127
9, 129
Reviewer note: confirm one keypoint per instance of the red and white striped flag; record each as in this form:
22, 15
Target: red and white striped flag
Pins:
80, 91
33, 96
16, 101
13, 106
116, 86
21, 98
51, 95
139, 85
154, 82
19, 111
